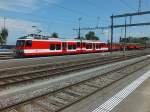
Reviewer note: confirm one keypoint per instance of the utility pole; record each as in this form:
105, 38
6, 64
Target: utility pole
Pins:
4, 22
79, 33
112, 32
140, 6
125, 35
121, 35
98, 19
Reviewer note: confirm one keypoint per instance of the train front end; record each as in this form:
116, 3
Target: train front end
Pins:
19, 50
21, 46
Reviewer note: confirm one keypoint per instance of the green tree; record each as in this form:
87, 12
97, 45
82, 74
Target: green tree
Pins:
54, 35
91, 36
3, 36
140, 40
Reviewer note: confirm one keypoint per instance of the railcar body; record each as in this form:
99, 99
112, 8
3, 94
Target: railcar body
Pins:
37, 45
55, 46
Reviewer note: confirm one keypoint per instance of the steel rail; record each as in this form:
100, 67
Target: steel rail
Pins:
79, 91
31, 76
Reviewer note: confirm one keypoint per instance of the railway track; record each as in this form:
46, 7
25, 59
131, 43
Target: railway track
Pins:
62, 98
27, 74
6, 56
31, 74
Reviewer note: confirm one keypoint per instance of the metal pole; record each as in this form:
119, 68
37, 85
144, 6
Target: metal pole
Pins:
98, 18
121, 36
125, 35
79, 35
112, 32
121, 33
4, 22
139, 7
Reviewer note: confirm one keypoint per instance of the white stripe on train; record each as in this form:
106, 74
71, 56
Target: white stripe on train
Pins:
48, 50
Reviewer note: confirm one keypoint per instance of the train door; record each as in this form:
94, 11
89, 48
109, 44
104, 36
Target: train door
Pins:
64, 47
94, 46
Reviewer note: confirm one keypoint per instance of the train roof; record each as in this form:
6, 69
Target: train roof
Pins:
35, 37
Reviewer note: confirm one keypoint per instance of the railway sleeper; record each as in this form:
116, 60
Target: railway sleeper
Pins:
79, 91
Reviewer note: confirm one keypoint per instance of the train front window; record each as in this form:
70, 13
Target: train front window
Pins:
20, 43
28, 43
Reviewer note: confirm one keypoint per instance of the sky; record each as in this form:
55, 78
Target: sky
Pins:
62, 16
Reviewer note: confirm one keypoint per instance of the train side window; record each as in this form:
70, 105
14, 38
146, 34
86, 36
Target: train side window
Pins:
69, 46
28, 43
97, 46
74, 46
100, 46
103, 45
58, 47
89, 46
84, 44
52, 46
78, 44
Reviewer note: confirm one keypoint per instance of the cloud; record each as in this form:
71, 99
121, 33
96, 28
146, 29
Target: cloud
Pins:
23, 5
17, 5
18, 24
17, 28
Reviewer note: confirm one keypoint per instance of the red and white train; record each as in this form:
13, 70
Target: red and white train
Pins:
38, 45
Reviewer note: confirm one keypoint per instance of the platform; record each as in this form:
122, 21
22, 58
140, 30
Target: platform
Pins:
133, 98
116, 99
138, 101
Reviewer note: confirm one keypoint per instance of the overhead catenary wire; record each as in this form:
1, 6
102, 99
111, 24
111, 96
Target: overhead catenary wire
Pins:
93, 4
127, 5
71, 10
